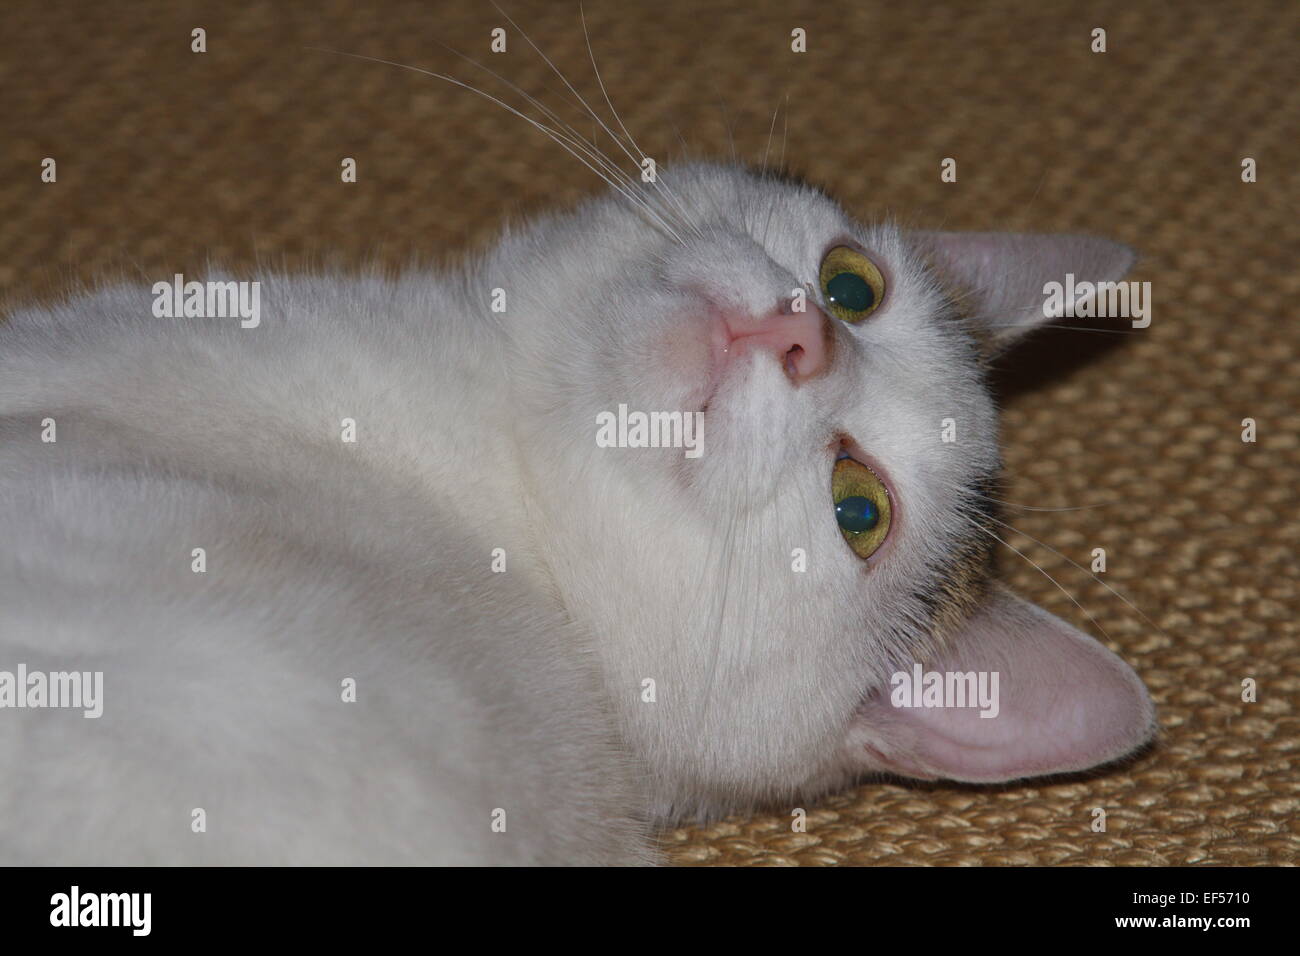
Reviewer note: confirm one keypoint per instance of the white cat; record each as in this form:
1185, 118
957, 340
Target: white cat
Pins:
553, 645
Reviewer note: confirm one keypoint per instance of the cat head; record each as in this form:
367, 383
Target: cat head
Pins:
821, 518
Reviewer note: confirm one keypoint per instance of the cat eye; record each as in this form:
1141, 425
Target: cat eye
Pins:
862, 506
851, 283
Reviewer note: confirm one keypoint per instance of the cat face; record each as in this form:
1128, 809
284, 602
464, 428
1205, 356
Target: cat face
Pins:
752, 596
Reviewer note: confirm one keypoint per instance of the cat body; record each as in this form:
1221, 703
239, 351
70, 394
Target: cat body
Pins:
364, 587
223, 688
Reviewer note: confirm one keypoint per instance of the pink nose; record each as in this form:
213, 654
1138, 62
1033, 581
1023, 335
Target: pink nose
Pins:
797, 339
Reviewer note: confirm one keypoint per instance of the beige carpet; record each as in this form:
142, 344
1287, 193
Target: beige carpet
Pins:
167, 159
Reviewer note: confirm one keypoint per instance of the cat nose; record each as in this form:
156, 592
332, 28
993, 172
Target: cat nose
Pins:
799, 340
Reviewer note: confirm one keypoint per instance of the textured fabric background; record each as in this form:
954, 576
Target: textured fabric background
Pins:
168, 159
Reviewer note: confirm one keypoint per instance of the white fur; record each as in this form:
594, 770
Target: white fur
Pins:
326, 560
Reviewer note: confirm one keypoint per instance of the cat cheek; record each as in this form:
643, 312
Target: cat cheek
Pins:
679, 359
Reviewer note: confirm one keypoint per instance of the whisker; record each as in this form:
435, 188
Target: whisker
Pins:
555, 136
731, 137
588, 145
682, 214
1070, 328
770, 131
771, 206
1041, 571
964, 490
785, 130
565, 80
1090, 574
1018, 507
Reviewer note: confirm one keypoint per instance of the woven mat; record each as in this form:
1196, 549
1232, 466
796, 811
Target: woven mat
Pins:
169, 159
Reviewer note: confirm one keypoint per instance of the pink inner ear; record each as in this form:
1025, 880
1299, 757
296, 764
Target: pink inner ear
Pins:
1065, 703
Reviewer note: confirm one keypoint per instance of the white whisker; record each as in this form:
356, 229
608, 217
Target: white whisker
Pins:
557, 137
1041, 571
683, 217
565, 80
1090, 574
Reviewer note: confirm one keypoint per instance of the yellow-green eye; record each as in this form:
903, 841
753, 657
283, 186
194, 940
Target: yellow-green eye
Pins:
862, 506
851, 283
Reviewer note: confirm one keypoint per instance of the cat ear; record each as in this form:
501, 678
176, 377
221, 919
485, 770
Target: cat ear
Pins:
1063, 703
1004, 274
